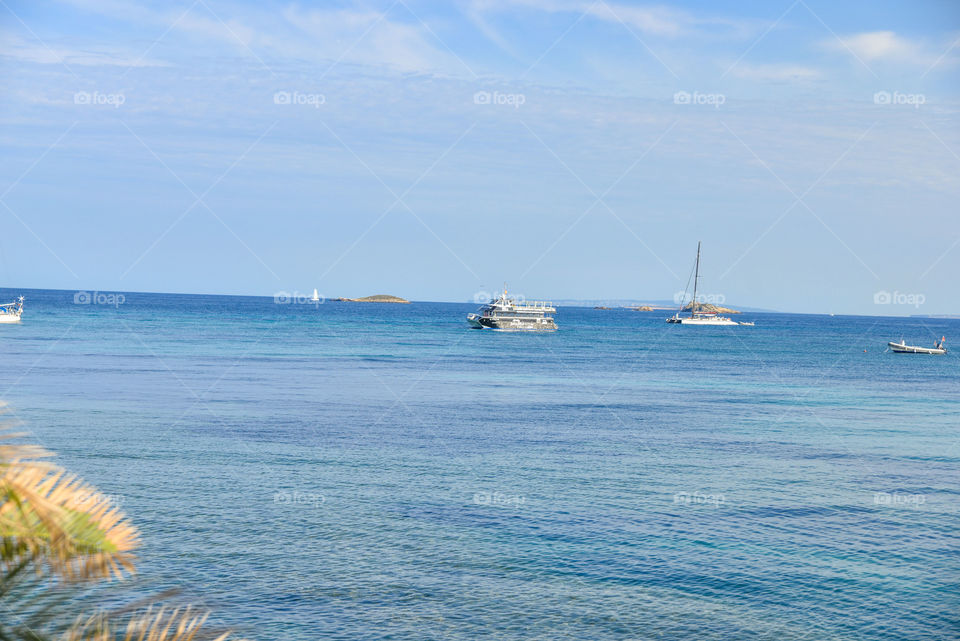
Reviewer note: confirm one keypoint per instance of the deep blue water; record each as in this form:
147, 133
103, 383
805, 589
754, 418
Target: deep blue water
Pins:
363, 471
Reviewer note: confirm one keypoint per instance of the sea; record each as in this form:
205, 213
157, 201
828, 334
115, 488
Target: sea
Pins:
381, 471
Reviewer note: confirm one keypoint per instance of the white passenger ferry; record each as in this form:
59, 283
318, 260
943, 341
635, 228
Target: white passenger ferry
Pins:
507, 314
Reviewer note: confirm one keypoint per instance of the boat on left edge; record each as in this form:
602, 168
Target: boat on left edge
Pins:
11, 312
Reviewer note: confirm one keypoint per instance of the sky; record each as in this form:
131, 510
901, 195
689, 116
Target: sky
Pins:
575, 149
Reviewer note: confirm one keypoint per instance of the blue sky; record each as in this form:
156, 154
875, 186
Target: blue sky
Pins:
432, 150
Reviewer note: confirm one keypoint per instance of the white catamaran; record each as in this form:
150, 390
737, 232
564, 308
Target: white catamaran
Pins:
11, 312
696, 316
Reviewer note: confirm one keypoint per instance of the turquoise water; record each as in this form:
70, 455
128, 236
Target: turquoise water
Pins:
351, 471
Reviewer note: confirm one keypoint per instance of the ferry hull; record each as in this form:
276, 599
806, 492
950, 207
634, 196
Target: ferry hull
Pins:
701, 321
512, 325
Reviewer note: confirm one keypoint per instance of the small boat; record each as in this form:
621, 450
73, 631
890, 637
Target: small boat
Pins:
11, 312
316, 296
747, 323
903, 348
698, 317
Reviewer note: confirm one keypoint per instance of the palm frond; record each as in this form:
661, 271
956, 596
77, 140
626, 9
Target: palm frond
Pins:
44, 510
54, 526
180, 624
53, 516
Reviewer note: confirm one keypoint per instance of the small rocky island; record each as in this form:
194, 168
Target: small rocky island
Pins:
635, 308
711, 309
377, 298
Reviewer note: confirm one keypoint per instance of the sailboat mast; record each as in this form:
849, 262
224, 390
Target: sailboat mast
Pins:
696, 277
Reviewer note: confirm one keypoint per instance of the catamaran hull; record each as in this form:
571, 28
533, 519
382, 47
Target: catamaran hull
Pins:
900, 348
9, 318
702, 321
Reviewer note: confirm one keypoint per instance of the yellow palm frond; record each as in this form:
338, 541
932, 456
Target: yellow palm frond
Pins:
64, 527
58, 519
178, 624
17, 451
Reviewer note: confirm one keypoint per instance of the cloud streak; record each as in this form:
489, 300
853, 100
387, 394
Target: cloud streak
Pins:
887, 47
18, 48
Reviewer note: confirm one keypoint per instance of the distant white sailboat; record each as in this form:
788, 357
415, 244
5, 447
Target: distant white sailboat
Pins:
11, 312
316, 296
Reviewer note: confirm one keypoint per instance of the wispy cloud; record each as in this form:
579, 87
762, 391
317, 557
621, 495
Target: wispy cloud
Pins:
775, 72
650, 20
386, 39
663, 21
390, 37
17, 48
886, 47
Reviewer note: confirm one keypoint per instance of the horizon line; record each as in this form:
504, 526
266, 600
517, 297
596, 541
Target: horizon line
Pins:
944, 315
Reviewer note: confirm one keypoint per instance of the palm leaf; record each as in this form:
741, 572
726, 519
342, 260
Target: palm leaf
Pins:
180, 624
48, 514
62, 528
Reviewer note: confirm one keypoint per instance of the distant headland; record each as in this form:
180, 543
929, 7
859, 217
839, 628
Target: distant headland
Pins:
378, 298
656, 307
637, 308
